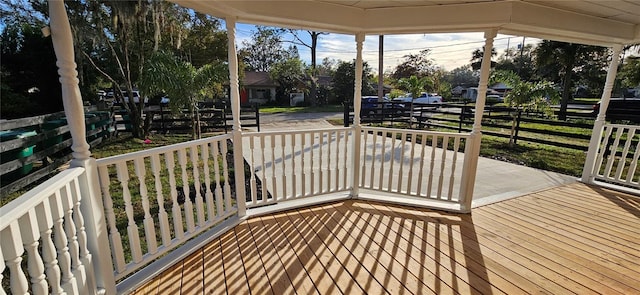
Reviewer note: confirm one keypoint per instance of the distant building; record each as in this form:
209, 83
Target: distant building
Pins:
257, 87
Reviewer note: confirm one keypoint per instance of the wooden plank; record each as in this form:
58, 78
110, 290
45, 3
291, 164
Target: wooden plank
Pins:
352, 262
434, 276
256, 273
234, 272
435, 262
214, 279
573, 265
192, 274
295, 271
171, 280
275, 270
467, 241
381, 265
305, 235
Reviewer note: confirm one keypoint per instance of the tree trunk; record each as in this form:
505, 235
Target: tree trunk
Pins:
193, 120
566, 91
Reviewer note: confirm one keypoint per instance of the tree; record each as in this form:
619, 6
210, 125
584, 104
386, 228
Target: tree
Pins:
344, 81
561, 59
630, 72
520, 62
419, 65
288, 73
312, 72
182, 82
415, 86
525, 96
477, 55
462, 76
265, 49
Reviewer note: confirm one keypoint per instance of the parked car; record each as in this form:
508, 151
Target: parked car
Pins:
424, 98
624, 109
125, 96
370, 106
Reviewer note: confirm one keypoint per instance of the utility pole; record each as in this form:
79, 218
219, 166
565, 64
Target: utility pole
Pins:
380, 68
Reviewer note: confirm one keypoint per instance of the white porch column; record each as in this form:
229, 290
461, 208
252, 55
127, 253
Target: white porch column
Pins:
357, 127
598, 125
100, 276
472, 147
234, 92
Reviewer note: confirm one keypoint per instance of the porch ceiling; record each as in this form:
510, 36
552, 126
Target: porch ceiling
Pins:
581, 21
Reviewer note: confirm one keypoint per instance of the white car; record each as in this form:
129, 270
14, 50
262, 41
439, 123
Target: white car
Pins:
424, 98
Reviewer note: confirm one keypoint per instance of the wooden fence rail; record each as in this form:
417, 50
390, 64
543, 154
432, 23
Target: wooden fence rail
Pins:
31, 148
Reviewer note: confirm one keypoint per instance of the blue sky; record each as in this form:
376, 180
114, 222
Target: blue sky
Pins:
449, 50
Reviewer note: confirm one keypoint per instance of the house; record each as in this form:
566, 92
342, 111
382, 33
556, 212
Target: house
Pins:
500, 88
359, 209
257, 87
457, 91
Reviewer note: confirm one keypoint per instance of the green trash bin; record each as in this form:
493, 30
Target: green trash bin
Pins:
51, 141
103, 123
16, 154
90, 126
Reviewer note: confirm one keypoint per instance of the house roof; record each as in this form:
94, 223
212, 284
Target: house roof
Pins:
581, 21
258, 79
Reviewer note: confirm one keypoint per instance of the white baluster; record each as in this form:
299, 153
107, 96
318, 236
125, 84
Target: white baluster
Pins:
178, 228
338, 167
625, 153
403, 140
30, 235
283, 140
312, 140
252, 180
264, 170
211, 213
216, 171
321, 167
225, 170
45, 224
163, 217
634, 163
12, 250
392, 161
612, 155
274, 182
456, 146
374, 140
149, 225
193, 152
434, 145
85, 255
2, 267
344, 158
603, 145
445, 145
61, 242
423, 147
188, 205
363, 163
412, 144
304, 169
72, 237
114, 235
329, 156
132, 227
294, 168
382, 158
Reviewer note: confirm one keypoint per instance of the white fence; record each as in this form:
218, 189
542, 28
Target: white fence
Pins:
167, 195
292, 165
414, 163
48, 224
618, 154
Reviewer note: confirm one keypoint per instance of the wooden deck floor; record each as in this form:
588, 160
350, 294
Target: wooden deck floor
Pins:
572, 239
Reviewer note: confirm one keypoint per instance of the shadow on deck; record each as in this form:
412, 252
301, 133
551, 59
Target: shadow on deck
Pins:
570, 239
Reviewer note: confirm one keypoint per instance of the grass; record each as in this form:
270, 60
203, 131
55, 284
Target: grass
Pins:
318, 109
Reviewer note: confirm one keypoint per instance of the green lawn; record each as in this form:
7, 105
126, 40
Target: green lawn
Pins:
318, 109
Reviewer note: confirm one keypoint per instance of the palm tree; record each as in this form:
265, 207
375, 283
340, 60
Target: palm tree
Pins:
182, 82
525, 96
415, 86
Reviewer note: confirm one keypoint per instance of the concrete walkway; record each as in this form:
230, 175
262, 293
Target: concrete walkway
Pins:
495, 180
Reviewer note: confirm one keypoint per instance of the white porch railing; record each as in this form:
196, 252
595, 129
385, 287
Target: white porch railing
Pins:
291, 165
617, 157
422, 164
47, 223
157, 199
